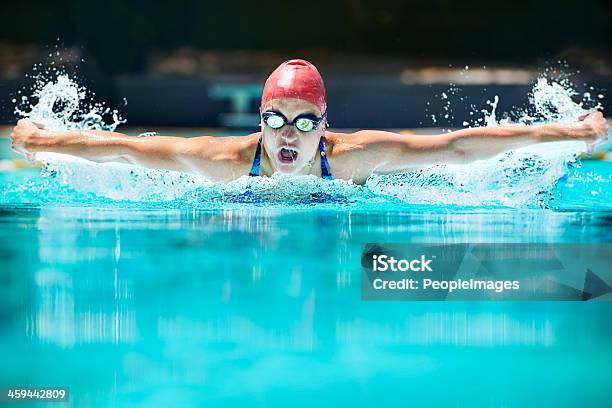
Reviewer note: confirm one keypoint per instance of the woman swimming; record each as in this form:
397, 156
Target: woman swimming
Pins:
294, 140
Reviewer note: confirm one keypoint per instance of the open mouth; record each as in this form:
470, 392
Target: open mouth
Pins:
287, 155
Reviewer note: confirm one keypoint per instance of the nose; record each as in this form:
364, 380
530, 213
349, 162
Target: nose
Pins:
289, 134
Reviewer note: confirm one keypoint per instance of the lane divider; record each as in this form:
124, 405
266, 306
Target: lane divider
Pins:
18, 164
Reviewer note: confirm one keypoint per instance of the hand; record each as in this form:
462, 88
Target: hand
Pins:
26, 136
594, 127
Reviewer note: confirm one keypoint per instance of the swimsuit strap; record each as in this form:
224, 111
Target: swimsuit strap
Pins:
255, 167
325, 169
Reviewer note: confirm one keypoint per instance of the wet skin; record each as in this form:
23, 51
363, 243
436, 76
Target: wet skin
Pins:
352, 156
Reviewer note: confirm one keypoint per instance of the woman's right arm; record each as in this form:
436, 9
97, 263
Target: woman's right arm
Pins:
218, 158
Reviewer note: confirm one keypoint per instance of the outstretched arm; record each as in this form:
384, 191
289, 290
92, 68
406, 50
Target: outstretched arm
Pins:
370, 151
218, 158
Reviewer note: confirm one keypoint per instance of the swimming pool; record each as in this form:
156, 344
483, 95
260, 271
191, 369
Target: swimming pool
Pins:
232, 303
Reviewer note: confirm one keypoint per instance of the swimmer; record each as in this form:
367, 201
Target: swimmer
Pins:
294, 140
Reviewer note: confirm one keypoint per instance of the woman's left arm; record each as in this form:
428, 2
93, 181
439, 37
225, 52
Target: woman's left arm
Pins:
387, 152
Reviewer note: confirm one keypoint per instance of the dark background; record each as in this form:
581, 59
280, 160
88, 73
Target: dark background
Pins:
164, 56
118, 34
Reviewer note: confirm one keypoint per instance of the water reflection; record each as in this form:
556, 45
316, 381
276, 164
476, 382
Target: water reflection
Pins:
247, 265
257, 293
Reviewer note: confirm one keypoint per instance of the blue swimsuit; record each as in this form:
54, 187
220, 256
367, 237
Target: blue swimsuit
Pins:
325, 170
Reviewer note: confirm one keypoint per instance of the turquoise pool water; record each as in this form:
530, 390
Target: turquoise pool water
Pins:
234, 303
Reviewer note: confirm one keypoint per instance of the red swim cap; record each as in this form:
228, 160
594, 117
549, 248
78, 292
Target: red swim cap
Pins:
297, 79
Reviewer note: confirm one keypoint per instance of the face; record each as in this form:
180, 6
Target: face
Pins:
289, 149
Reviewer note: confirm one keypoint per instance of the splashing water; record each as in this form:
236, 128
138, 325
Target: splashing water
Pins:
524, 177
519, 178
62, 104
489, 118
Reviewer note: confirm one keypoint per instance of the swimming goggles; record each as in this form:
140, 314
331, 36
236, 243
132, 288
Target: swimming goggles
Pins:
303, 123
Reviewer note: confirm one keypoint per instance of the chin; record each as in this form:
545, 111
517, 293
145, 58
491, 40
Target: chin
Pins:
289, 168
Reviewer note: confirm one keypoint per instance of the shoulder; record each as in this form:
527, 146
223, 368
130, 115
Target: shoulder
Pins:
232, 148
340, 143
245, 146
